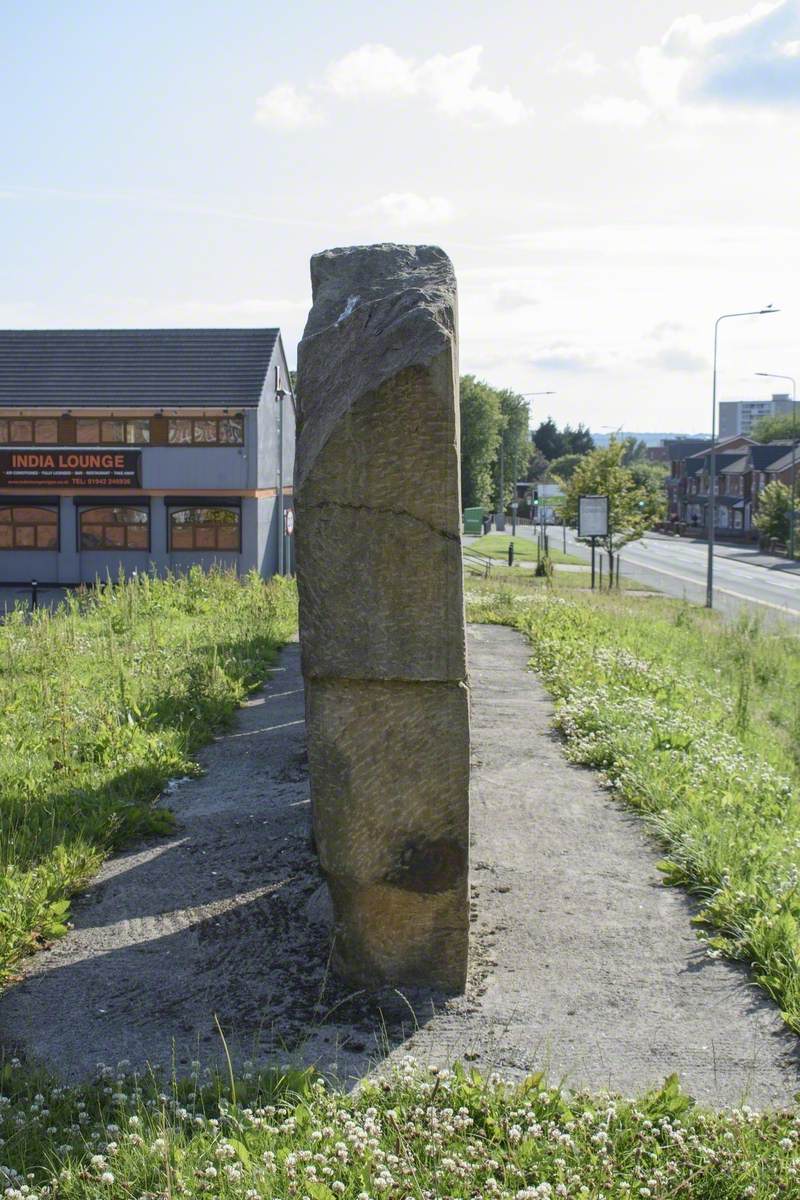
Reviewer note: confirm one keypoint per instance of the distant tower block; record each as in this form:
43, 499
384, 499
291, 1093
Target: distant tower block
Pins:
377, 496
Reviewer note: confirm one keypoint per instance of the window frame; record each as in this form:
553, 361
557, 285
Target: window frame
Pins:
217, 421
33, 421
81, 508
23, 502
174, 509
125, 422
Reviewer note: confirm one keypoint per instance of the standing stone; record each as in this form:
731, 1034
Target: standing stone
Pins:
377, 497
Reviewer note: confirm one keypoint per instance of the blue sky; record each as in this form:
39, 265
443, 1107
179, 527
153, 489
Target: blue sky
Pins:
607, 179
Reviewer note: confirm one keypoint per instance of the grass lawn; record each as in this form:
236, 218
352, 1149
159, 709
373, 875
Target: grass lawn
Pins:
521, 581
695, 723
495, 545
418, 1135
103, 702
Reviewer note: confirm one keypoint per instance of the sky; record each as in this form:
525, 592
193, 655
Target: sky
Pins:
607, 179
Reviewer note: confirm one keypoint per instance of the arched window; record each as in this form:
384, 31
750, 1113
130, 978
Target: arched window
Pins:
205, 529
24, 527
115, 528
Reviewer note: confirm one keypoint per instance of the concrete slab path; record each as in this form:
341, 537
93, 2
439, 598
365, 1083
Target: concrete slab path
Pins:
583, 962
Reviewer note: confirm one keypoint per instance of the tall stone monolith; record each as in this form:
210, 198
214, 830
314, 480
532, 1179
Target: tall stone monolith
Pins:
377, 497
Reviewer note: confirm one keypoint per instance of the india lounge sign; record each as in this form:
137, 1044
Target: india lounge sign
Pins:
71, 468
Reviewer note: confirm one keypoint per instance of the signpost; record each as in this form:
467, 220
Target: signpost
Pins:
116, 469
592, 521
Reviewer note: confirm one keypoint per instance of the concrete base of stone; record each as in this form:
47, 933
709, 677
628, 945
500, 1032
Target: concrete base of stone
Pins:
385, 935
390, 761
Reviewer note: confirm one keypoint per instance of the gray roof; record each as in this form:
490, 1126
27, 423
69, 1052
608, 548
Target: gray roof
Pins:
763, 456
680, 448
738, 467
134, 368
782, 464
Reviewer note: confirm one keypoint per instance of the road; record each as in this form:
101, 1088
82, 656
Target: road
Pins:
744, 579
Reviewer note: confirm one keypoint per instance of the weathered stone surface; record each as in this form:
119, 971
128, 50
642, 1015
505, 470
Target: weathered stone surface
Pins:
381, 610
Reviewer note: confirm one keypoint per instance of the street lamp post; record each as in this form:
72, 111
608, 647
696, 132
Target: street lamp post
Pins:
791, 380
712, 473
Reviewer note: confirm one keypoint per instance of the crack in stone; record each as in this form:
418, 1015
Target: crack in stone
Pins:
387, 512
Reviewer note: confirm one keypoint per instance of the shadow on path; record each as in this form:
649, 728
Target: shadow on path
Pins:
582, 960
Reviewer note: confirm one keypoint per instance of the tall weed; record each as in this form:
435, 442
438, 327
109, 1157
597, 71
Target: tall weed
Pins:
102, 702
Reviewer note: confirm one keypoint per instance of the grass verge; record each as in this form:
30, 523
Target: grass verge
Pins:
522, 582
495, 545
695, 723
104, 701
427, 1135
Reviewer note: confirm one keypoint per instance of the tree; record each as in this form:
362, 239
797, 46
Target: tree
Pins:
635, 451
650, 475
481, 425
514, 441
564, 468
550, 440
775, 429
578, 441
538, 465
632, 507
773, 513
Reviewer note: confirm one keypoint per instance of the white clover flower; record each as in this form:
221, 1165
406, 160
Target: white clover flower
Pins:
107, 1177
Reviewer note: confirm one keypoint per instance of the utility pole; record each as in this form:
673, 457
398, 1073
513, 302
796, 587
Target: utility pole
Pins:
500, 516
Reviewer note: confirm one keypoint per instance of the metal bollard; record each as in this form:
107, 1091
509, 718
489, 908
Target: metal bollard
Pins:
34, 594
511, 554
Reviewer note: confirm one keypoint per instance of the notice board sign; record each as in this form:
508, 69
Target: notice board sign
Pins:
592, 516
64, 468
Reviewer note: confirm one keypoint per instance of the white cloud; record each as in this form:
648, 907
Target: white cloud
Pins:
563, 356
283, 107
448, 82
674, 358
750, 60
508, 298
575, 61
409, 209
248, 311
371, 71
616, 110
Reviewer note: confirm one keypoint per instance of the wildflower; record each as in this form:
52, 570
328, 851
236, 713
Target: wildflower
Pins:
107, 1177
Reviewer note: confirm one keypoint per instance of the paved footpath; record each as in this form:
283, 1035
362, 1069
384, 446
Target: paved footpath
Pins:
583, 961
595, 967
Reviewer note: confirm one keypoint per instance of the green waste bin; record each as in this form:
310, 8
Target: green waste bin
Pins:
473, 520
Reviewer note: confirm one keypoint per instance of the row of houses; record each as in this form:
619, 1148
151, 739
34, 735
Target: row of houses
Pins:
744, 467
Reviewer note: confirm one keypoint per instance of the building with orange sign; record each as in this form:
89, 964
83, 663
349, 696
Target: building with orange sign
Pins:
145, 450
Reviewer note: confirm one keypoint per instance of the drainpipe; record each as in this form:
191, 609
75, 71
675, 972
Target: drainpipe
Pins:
279, 396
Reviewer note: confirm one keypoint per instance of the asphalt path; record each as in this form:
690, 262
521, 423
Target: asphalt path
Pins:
744, 579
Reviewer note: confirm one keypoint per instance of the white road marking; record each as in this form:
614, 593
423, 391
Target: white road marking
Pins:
784, 608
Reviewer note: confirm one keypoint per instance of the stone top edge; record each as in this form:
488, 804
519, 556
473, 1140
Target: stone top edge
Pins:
347, 277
